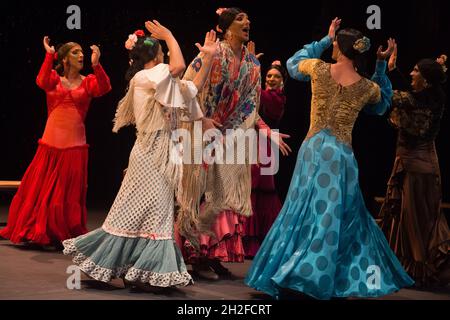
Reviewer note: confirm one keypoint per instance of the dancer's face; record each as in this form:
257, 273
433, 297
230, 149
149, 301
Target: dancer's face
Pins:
418, 82
240, 28
74, 59
274, 79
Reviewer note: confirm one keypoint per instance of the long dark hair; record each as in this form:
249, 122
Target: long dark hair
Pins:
226, 18
145, 50
62, 52
346, 39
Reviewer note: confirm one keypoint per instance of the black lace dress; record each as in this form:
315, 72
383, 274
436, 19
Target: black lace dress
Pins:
412, 220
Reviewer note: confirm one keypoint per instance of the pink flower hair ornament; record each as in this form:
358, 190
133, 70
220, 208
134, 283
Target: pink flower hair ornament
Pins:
131, 41
221, 10
133, 38
276, 63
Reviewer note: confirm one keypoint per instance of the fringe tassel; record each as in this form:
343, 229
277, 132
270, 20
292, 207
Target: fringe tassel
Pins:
236, 197
124, 113
193, 186
226, 187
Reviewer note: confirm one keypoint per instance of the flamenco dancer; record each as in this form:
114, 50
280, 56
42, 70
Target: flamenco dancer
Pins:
324, 242
266, 203
136, 240
50, 205
412, 219
231, 98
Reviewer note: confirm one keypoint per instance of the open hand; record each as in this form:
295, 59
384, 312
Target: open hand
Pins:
47, 47
157, 30
277, 138
383, 55
334, 27
95, 57
210, 45
392, 63
208, 123
252, 49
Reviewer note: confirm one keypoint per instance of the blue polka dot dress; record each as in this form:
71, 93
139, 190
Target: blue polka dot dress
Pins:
324, 242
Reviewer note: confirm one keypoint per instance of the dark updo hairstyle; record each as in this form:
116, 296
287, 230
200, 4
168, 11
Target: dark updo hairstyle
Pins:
346, 40
145, 50
226, 18
281, 70
432, 71
62, 53
434, 74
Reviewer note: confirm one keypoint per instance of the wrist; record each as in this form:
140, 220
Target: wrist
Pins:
380, 67
207, 57
392, 68
169, 37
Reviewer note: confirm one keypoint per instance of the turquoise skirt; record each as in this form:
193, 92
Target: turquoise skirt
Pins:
324, 242
103, 256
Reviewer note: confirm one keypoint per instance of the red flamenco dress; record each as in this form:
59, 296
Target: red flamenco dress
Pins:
50, 205
266, 203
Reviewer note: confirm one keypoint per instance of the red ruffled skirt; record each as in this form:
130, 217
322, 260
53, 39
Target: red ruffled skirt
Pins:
226, 244
50, 205
266, 206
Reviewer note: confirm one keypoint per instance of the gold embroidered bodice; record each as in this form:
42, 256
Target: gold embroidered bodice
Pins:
333, 106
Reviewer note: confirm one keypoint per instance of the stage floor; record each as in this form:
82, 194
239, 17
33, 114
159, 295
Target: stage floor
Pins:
41, 275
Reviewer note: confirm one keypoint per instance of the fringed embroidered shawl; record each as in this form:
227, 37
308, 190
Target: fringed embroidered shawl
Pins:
230, 96
157, 103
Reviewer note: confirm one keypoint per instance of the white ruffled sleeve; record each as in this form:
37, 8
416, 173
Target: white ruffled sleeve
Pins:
174, 93
167, 92
189, 92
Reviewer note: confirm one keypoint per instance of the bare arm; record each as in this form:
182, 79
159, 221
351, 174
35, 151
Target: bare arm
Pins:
158, 31
208, 51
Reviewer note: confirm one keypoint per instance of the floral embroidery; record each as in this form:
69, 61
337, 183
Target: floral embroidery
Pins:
197, 64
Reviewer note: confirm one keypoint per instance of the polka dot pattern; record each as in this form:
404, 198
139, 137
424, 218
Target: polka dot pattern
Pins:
325, 262
323, 180
321, 206
145, 196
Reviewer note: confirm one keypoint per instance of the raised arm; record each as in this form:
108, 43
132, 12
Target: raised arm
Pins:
397, 78
380, 101
98, 84
313, 50
158, 31
309, 51
47, 77
205, 59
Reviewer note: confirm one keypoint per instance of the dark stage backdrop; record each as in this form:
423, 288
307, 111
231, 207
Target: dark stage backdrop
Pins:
279, 29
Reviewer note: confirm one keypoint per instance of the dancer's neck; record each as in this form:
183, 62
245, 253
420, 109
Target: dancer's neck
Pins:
236, 46
72, 75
